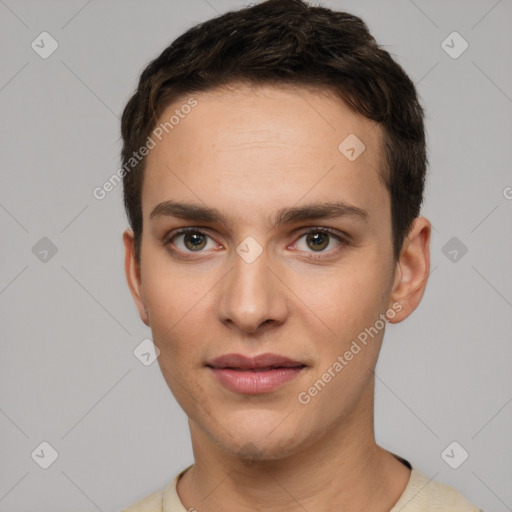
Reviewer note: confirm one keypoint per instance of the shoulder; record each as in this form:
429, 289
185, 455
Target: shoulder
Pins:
165, 500
426, 495
151, 503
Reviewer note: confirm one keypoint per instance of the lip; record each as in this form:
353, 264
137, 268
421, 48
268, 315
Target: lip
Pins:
254, 375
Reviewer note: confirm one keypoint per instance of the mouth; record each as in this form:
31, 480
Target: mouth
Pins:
254, 375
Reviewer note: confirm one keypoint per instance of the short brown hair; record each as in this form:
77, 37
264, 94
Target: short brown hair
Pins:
287, 42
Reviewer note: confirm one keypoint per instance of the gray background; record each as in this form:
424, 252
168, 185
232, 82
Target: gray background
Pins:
68, 373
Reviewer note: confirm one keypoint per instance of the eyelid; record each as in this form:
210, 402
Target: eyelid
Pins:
340, 235
343, 238
183, 231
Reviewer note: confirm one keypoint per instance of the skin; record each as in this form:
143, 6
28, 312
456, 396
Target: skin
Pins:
250, 151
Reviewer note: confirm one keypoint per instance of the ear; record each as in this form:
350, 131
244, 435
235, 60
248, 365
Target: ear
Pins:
412, 270
133, 275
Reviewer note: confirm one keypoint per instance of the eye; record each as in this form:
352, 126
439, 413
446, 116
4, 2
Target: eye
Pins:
318, 239
190, 240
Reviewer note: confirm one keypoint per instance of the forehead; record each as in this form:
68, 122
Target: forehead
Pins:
247, 145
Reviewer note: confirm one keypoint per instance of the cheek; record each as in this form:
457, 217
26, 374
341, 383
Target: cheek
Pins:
345, 302
176, 302
177, 313
348, 353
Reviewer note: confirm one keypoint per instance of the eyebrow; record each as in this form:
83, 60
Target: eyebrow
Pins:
313, 211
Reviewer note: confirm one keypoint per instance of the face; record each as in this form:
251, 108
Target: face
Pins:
287, 255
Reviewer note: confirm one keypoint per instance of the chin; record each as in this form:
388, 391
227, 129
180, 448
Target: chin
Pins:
252, 451
254, 440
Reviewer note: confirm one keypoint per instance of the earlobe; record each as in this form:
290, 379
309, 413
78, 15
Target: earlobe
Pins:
133, 274
412, 271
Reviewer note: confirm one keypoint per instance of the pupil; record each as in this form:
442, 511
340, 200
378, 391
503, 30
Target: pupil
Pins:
315, 239
196, 241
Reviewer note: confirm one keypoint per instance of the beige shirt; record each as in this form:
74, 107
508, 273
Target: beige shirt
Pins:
420, 495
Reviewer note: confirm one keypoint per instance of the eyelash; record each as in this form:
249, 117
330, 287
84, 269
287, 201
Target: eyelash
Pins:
344, 242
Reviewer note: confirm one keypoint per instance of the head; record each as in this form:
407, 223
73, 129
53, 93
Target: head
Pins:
251, 130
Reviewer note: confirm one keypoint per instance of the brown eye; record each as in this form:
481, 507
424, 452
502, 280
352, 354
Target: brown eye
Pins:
318, 240
194, 241
189, 241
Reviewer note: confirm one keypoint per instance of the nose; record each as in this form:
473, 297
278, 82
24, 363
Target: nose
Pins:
252, 296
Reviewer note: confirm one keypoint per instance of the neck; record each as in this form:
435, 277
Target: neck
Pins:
342, 470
